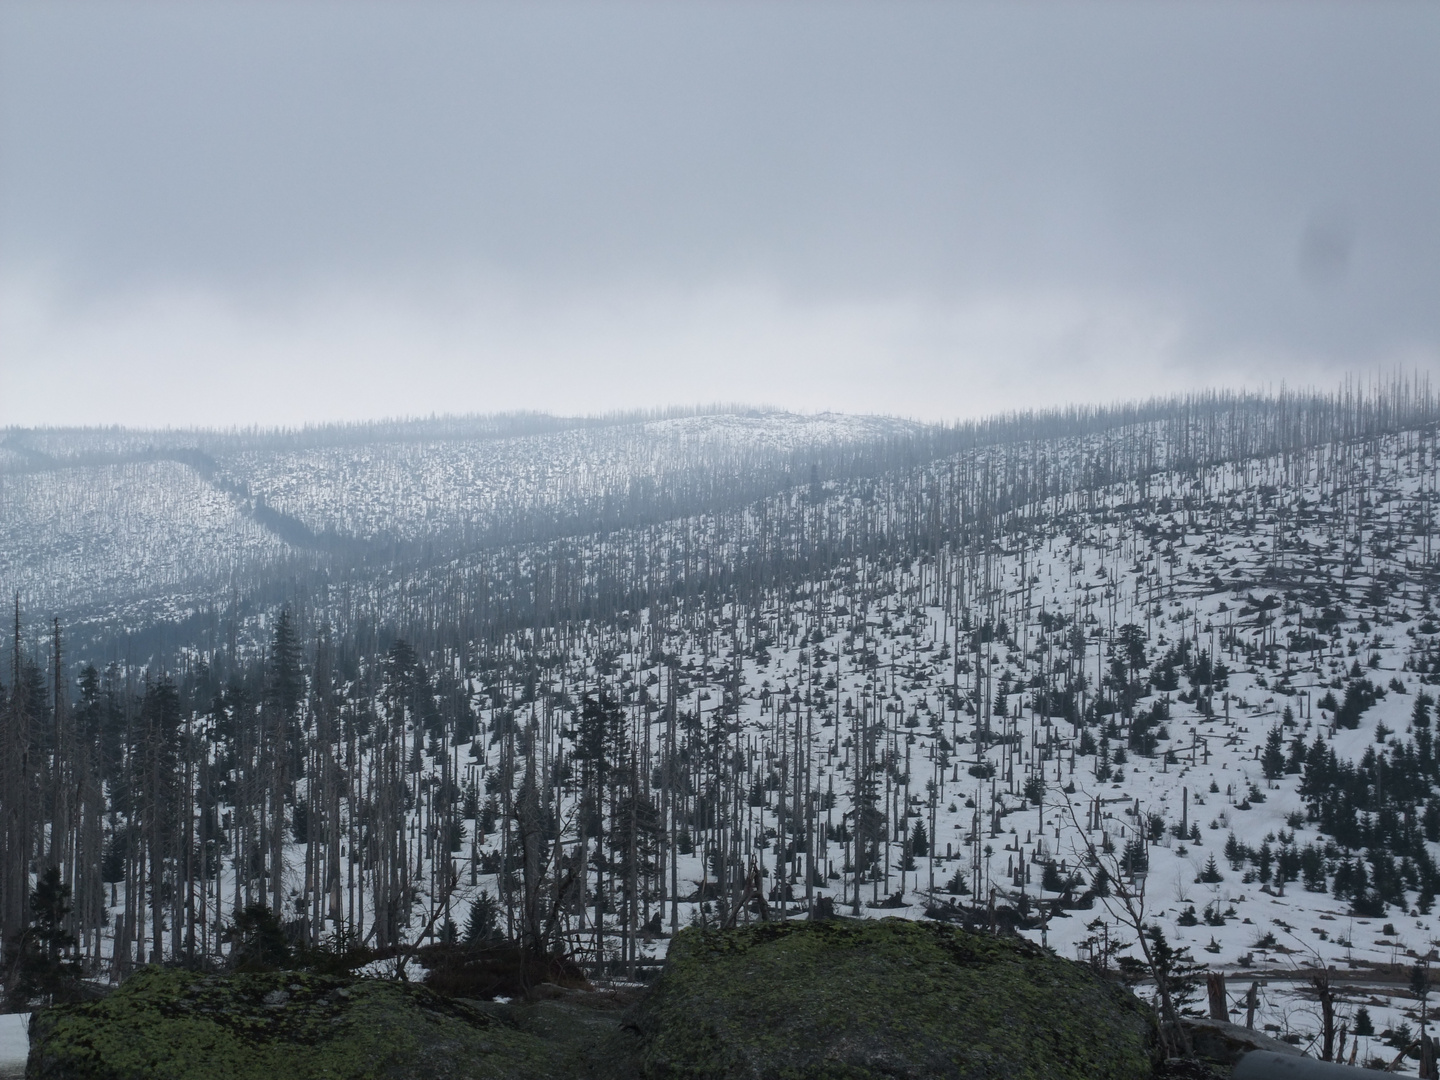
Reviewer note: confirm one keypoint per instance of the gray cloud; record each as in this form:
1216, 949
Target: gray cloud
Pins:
792, 203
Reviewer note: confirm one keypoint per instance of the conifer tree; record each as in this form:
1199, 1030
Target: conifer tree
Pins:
47, 970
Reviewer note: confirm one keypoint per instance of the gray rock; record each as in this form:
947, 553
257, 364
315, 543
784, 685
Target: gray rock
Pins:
1268, 1065
1227, 1043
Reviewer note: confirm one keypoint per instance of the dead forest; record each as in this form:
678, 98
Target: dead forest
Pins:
854, 684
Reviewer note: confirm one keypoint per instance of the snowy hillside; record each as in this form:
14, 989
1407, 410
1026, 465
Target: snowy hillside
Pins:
1219, 613
93, 532
1069, 679
92, 517
415, 489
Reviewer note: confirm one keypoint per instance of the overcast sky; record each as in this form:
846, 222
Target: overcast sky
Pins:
235, 213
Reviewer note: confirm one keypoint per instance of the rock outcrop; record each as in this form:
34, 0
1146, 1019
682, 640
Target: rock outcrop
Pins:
889, 998
834, 999
179, 1025
1226, 1043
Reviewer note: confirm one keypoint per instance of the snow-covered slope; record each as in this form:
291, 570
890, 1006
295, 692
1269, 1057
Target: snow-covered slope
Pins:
1072, 684
97, 532
94, 517
1303, 576
415, 489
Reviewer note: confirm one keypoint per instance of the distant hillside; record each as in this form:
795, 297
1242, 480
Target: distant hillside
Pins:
92, 517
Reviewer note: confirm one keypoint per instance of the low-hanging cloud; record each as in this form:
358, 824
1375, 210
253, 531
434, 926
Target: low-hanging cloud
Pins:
482, 346
282, 213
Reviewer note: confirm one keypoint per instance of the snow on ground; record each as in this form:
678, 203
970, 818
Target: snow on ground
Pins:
1300, 576
114, 531
14, 1043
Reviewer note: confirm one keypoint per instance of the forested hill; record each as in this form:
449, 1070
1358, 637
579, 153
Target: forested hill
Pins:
134, 527
580, 684
90, 518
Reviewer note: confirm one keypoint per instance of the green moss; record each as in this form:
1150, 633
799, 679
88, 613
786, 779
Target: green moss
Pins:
175, 1025
892, 998
772, 1002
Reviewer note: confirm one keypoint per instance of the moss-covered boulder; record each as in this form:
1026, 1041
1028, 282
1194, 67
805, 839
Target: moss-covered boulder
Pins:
891, 998
179, 1025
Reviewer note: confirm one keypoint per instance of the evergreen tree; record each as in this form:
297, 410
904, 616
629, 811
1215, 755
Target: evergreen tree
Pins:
919, 842
257, 941
1420, 711
1174, 968
482, 924
47, 970
1272, 761
1234, 852
1136, 857
286, 681
1363, 1024
1295, 762
1264, 860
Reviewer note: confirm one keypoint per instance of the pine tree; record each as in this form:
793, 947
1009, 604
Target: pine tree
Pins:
257, 941
1211, 874
1363, 1024
919, 842
1295, 763
1272, 761
481, 926
1174, 969
47, 968
1234, 852
286, 681
1420, 711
